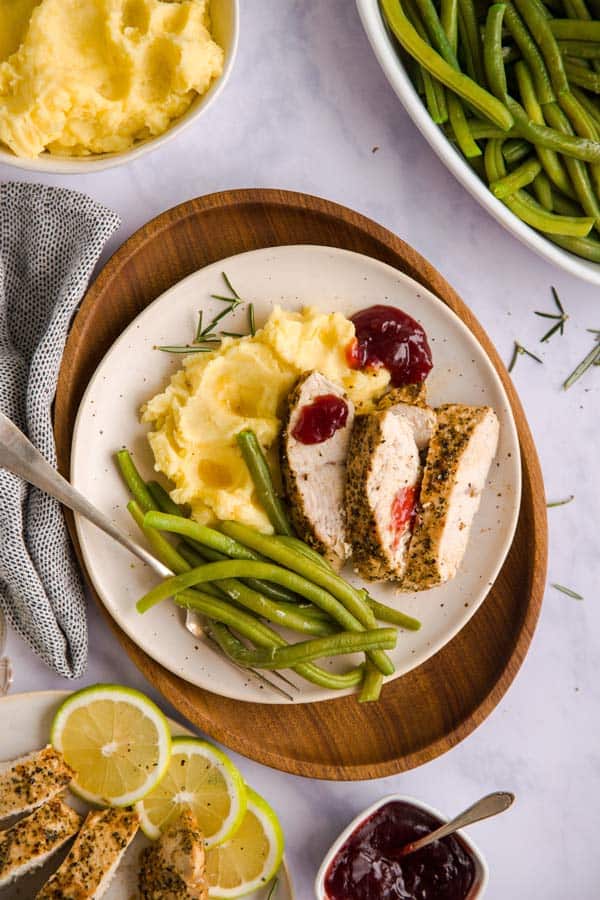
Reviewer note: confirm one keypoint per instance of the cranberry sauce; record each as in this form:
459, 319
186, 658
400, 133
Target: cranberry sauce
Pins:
404, 510
386, 336
319, 420
369, 866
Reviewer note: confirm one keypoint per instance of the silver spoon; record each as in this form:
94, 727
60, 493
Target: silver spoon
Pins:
488, 806
6, 672
19, 456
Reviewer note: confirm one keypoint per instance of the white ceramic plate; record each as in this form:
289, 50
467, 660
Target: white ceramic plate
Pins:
388, 57
133, 371
30, 716
225, 29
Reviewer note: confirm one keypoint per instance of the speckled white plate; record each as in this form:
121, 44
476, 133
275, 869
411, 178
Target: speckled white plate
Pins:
133, 371
30, 717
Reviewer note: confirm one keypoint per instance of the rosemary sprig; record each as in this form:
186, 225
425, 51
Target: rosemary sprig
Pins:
591, 359
518, 351
208, 335
560, 318
567, 591
564, 502
273, 889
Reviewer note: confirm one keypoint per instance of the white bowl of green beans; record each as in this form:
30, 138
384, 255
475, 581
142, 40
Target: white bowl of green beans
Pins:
508, 96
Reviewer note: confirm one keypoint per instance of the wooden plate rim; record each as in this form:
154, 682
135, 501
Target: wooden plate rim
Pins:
421, 270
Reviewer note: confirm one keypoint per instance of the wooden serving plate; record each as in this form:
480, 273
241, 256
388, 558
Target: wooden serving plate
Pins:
432, 708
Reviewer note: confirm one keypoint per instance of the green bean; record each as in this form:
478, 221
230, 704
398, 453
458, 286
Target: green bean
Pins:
580, 49
384, 613
372, 683
348, 596
134, 481
237, 569
472, 93
550, 138
575, 30
530, 53
261, 476
435, 30
518, 178
469, 28
288, 615
584, 126
527, 209
578, 173
435, 95
484, 131
564, 205
584, 247
449, 19
263, 636
492, 50
177, 524
578, 10
549, 158
204, 535
162, 549
539, 27
340, 644
295, 543
516, 150
543, 191
460, 128
588, 104
162, 500
582, 77
269, 547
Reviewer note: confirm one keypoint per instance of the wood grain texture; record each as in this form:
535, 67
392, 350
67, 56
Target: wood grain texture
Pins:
434, 707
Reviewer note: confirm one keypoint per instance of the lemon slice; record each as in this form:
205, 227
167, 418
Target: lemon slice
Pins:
200, 778
251, 857
117, 741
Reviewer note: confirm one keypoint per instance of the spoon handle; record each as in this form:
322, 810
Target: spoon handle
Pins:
488, 806
19, 456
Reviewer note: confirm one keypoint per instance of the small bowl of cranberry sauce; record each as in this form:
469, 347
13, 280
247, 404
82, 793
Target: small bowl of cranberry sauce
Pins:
365, 862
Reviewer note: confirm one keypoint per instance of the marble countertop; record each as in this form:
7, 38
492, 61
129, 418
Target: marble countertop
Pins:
308, 109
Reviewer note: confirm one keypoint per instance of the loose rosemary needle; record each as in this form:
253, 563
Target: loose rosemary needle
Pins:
561, 502
567, 591
273, 889
592, 358
560, 318
520, 350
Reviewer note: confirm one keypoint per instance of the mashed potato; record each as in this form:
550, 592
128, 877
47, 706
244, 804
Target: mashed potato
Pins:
244, 384
94, 76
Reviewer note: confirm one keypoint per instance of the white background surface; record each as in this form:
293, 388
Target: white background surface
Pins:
305, 106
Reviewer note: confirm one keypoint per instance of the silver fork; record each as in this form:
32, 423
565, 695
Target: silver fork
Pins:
6, 672
19, 456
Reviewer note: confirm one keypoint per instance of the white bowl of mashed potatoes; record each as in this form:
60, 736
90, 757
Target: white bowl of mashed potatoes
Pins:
89, 84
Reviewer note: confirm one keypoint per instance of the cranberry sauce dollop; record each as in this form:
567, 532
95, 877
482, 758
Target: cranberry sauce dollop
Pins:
386, 336
404, 510
369, 867
319, 420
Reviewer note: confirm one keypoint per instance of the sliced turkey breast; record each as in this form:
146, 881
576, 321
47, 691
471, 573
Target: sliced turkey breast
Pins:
92, 861
32, 780
174, 868
458, 461
382, 485
409, 401
33, 840
314, 473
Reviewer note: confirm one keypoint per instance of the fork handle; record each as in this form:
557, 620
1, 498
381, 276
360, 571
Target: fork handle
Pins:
19, 456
